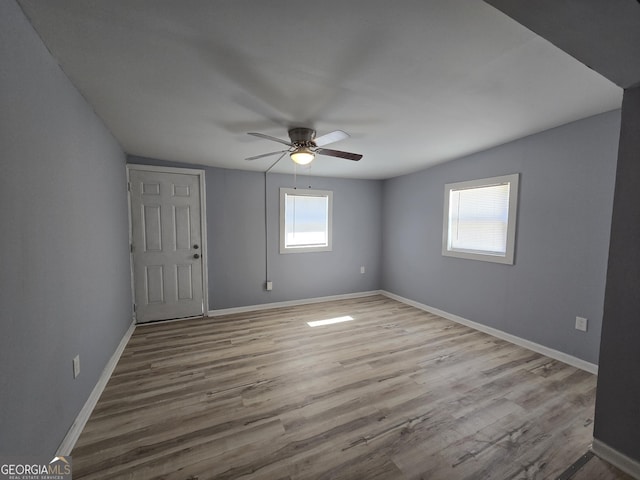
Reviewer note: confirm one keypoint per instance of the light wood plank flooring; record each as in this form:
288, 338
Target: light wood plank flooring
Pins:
395, 393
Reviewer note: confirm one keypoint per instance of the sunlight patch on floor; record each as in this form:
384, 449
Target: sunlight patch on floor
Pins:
330, 321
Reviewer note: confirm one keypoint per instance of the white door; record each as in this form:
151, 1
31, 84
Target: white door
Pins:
167, 245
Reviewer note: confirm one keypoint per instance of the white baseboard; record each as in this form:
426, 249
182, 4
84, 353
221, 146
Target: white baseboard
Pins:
536, 347
291, 303
72, 435
615, 458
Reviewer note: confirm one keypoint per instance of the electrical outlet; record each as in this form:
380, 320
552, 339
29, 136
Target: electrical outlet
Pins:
362, 269
581, 324
76, 366
269, 286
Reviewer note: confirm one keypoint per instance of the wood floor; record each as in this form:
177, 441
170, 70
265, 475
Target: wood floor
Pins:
598, 469
395, 393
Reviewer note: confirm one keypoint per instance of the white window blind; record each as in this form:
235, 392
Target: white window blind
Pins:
480, 219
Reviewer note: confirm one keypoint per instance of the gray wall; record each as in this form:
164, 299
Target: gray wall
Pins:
618, 397
565, 204
357, 234
236, 238
64, 276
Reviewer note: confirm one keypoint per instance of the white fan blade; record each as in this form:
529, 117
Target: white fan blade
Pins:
330, 137
266, 155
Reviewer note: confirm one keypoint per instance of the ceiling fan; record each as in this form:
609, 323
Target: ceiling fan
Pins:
304, 145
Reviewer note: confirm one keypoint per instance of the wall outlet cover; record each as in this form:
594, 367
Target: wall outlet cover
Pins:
581, 324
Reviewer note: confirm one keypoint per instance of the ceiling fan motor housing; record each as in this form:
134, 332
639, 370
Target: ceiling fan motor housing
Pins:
302, 136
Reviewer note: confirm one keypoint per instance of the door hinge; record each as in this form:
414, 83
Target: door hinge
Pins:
129, 186
131, 247
134, 307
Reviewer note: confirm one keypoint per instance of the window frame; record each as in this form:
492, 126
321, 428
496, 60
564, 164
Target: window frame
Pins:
308, 193
512, 215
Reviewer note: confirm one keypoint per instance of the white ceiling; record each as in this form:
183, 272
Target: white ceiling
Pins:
415, 83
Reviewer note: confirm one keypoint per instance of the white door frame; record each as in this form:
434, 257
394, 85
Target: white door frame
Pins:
203, 225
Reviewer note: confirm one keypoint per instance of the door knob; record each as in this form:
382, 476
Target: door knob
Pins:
196, 246
195, 255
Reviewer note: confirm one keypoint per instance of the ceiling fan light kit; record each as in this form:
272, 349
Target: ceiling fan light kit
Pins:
304, 145
302, 155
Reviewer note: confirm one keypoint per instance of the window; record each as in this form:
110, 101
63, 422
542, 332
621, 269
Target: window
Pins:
480, 219
305, 220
